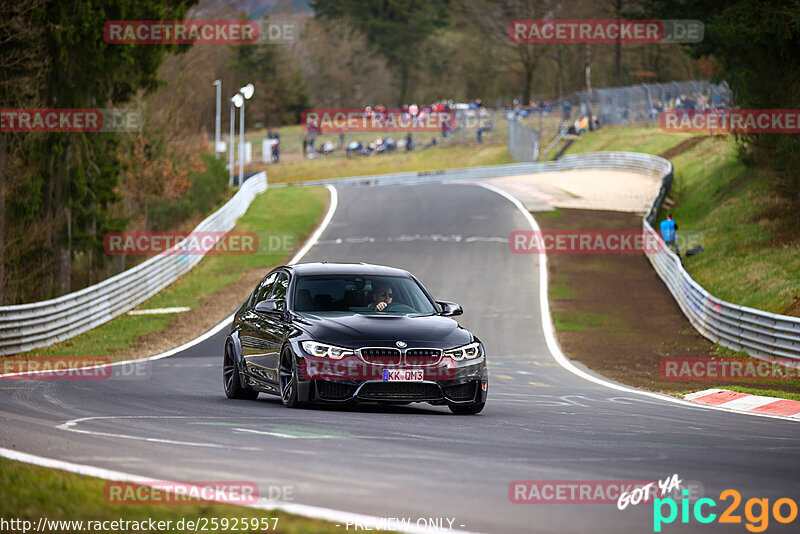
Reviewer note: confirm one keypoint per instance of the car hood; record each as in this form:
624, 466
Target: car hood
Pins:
351, 330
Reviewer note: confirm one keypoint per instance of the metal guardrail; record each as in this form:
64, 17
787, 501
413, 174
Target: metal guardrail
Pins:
28, 326
759, 333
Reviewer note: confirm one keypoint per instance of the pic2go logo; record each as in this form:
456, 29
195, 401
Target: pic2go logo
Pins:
757, 521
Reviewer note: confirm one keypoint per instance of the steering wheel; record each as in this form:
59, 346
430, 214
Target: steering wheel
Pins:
399, 307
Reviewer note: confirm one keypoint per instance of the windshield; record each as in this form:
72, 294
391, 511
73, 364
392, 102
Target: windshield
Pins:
392, 295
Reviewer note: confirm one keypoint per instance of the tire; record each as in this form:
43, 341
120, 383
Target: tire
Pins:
230, 377
474, 407
287, 380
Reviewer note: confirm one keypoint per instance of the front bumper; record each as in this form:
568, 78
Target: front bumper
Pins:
448, 383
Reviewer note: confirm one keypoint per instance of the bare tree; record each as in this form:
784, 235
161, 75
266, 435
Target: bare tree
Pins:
339, 67
492, 18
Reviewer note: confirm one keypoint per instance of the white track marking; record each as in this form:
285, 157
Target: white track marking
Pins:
71, 426
315, 512
227, 321
747, 403
279, 435
697, 394
303, 510
549, 329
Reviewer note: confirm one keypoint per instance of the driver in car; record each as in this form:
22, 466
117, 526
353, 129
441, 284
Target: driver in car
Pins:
381, 298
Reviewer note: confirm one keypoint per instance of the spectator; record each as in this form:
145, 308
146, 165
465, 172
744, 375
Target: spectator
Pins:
409, 142
276, 148
669, 233
487, 127
583, 125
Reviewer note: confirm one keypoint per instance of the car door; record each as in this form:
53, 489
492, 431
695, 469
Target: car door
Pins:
256, 346
275, 327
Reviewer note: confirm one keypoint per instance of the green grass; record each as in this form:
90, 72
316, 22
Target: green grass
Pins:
448, 154
549, 213
560, 291
31, 492
580, 321
286, 210
430, 159
634, 139
747, 259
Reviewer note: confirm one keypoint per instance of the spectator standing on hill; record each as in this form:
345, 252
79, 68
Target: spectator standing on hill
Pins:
669, 233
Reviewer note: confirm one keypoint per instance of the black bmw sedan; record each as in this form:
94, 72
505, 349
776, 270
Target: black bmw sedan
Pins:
343, 333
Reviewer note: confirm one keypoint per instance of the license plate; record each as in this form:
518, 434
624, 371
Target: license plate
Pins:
402, 375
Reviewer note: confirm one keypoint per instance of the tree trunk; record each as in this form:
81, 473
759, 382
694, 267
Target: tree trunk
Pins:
2, 219
50, 225
559, 72
63, 223
526, 93
405, 83
618, 48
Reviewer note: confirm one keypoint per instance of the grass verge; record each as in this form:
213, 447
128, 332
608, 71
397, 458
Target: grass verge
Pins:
450, 153
624, 338
750, 256
32, 492
293, 211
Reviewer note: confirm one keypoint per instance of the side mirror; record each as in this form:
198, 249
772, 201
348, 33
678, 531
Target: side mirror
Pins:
271, 306
449, 308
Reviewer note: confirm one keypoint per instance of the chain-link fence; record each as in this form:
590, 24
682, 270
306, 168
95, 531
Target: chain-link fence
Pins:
523, 142
637, 105
642, 104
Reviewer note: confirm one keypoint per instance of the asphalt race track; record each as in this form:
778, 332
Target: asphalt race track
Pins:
170, 420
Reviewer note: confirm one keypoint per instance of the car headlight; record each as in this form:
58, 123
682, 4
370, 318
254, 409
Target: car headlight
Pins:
467, 352
321, 350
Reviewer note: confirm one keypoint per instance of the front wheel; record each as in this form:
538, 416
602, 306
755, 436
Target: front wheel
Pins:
287, 380
230, 377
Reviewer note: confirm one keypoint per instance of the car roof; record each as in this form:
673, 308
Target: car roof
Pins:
323, 268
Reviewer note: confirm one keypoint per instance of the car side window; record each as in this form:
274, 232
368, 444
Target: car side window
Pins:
266, 287
280, 287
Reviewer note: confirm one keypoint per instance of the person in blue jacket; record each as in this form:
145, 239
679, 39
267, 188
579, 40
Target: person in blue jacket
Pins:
669, 229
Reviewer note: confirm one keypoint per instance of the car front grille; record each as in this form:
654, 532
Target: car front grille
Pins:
461, 391
400, 390
334, 390
417, 357
381, 356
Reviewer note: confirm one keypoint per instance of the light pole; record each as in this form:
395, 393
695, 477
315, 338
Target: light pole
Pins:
246, 92
217, 118
236, 101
